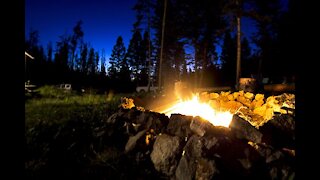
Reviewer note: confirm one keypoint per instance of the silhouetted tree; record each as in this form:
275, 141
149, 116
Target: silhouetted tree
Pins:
147, 68
103, 64
83, 58
90, 65
285, 44
49, 52
117, 58
143, 10
135, 54
61, 58
50, 64
267, 16
35, 67
247, 66
96, 62
228, 59
76, 38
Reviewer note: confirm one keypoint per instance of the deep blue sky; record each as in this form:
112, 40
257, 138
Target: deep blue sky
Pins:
103, 21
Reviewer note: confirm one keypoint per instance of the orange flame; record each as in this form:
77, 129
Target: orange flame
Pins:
194, 108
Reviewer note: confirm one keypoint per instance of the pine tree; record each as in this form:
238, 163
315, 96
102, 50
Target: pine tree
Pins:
90, 64
266, 16
228, 59
76, 38
83, 58
117, 58
135, 54
61, 58
143, 10
96, 62
103, 64
247, 66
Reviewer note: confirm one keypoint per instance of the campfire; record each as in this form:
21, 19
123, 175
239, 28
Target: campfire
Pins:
223, 135
195, 108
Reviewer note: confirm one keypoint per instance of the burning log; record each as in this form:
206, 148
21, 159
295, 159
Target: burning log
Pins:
242, 129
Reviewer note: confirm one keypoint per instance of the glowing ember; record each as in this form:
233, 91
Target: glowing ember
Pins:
195, 108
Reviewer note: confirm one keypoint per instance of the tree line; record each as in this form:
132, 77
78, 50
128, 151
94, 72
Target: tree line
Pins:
181, 35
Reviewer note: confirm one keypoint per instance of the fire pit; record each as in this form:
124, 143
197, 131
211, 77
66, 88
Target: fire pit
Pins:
211, 135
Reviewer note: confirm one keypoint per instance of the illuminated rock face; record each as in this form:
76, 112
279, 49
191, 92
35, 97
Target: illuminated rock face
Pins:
218, 108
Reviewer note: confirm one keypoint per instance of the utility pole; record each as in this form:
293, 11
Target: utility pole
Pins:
238, 45
149, 49
162, 40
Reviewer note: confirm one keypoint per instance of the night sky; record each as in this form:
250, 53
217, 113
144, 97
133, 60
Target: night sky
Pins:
103, 21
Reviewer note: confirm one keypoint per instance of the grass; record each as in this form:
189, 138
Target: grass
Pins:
65, 131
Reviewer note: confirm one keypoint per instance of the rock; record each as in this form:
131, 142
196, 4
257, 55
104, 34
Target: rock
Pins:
179, 125
166, 153
191, 153
230, 97
249, 95
244, 101
279, 131
259, 97
242, 129
281, 171
231, 106
133, 140
206, 169
197, 126
256, 104
186, 169
214, 95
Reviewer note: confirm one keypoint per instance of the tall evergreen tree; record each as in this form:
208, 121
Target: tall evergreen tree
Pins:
61, 58
247, 65
76, 38
96, 62
285, 44
90, 65
103, 64
148, 64
35, 67
267, 16
83, 58
135, 54
50, 64
117, 58
228, 59
49, 52
143, 10
31, 46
